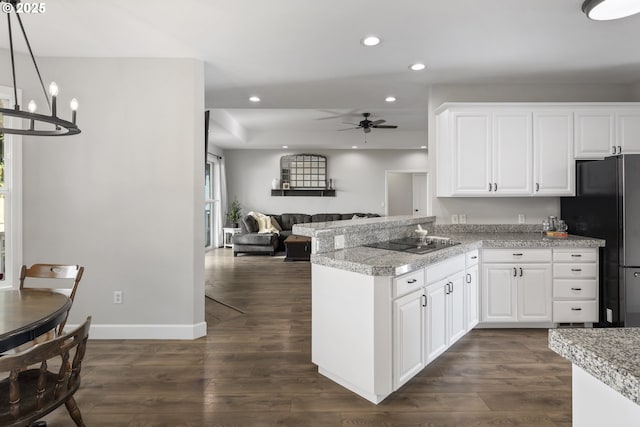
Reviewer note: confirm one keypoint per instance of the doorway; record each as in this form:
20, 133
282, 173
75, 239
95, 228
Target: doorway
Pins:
407, 193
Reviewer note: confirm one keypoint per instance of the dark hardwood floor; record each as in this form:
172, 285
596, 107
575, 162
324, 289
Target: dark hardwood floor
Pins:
254, 369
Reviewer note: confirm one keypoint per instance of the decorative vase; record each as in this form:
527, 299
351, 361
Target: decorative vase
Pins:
275, 184
330, 184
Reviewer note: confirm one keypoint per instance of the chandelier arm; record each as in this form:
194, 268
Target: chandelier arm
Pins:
13, 65
35, 64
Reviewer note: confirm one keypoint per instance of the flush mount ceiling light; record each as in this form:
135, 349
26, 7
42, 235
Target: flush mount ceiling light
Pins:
354, 146
418, 66
606, 10
423, 147
48, 125
390, 99
285, 146
370, 41
254, 98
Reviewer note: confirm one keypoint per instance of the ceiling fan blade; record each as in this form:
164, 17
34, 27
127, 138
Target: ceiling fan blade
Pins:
378, 122
347, 129
367, 130
338, 115
385, 126
348, 123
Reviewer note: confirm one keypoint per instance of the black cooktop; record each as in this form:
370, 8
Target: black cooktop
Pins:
414, 245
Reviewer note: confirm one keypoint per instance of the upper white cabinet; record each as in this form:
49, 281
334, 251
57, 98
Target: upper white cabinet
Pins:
607, 131
486, 150
553, 164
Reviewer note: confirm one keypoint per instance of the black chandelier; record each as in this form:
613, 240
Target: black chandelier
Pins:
55, 126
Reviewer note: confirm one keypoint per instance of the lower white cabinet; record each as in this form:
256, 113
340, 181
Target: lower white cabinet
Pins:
575, 285
517, 291
471, 296
409, 336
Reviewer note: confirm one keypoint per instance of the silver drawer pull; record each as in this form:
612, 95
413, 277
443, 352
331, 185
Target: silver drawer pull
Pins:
518, 254
577, 270
576, 289
474, 257
412, 281
576, 309
576, 255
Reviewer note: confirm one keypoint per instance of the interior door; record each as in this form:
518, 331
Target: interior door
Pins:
420, 194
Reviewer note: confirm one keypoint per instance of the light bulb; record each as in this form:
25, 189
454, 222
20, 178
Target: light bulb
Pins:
32, 106
53, 89
74, 104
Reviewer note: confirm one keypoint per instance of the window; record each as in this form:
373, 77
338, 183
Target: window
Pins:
304, 171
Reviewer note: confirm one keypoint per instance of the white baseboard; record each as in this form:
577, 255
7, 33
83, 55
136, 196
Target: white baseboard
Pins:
144, 332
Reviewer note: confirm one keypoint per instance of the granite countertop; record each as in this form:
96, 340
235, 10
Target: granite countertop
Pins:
381, 262
611, 355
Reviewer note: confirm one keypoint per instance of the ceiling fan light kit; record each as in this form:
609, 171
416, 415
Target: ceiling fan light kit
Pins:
55, 126
606, 10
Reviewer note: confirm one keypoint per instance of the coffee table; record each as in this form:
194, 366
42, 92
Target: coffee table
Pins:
298, 248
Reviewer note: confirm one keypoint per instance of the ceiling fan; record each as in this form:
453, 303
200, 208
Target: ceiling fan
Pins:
366, 125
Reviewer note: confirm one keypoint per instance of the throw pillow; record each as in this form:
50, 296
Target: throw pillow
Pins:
274, 223
250, 224
264, 223
358, 217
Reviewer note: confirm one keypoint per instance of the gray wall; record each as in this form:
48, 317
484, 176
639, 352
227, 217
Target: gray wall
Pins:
506, 210
400, 193
124, 198
358, 175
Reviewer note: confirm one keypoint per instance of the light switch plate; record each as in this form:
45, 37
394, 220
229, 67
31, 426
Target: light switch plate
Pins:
338, 241
521, 219
462, 218
454, 219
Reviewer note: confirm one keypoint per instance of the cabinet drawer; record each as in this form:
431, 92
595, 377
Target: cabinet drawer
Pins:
445, 268
472, 257
574, 312
408, 282
575, 288
575, 271
516, 255
578, 255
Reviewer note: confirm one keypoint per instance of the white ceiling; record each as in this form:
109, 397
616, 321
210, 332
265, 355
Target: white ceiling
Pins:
304, 54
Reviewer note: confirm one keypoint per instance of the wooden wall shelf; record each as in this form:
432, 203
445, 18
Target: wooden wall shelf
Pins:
308, 193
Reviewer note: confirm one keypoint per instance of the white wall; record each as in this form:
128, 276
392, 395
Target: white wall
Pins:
358, 176
125, 197
400, 193
506, 210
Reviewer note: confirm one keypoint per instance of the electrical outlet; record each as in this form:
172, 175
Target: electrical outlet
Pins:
454, 219
338, 241
117, 297
462, 218
521, 219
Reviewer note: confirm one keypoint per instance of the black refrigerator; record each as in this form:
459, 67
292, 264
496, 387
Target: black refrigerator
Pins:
607, 206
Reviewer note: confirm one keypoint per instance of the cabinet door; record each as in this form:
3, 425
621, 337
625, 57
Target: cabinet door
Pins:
512, 153
471, 294
594, 134
408, 336
472, 153
553, 163
534, 292
436, 320
456, 315
499, 300
628, 132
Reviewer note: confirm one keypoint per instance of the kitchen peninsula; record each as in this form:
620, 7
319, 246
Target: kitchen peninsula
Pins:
380, 316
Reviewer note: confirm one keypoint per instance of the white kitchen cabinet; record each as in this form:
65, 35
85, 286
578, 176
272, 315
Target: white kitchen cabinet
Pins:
511, 153
472, 293
471, 165
408, 336
594, 133
517, 291
455, 306
437, 334
575, 285
628, 132
553, 164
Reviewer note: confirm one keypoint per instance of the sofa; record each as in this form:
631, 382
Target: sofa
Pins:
249, 241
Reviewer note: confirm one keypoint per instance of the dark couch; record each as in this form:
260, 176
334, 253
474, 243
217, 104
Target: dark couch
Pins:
250, 241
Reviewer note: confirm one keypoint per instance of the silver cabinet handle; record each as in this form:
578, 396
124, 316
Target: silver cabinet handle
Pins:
412, 281
613, 150
515, 272
489, 186
468, 278
577, 270
495, 186
576, 309
521, 272
619, 149
474, 257
576, 255
451, 287
517, 254
424, 300
537, 187
576, 289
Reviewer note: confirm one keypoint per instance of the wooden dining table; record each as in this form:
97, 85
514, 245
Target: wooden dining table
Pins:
28, 313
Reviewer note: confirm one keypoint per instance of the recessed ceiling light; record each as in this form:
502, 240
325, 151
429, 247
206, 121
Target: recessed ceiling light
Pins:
606, 10
254, 98
285, 146
418, 66
354, 146
423, 146
370, 41
390, 99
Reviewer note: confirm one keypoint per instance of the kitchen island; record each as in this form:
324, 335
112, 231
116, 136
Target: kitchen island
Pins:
380, 316
605, 374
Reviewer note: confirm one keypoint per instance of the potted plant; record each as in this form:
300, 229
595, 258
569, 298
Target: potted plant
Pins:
233, 214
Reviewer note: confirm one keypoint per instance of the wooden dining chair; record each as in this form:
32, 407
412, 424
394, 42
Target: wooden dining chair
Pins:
31, 390
53, 271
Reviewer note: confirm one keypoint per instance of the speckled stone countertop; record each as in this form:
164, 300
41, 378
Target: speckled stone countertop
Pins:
381, 262
611, 355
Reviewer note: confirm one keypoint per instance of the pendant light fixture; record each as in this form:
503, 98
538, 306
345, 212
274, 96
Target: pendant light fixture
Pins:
606, 10
39, 124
